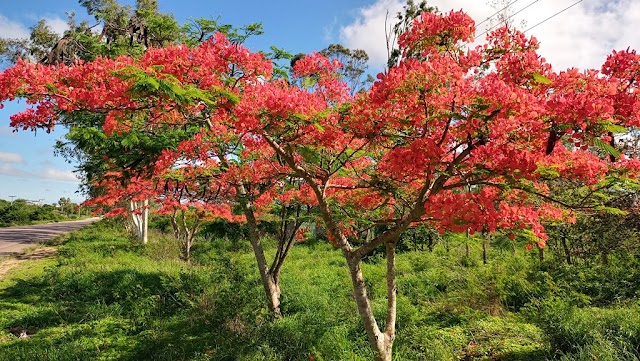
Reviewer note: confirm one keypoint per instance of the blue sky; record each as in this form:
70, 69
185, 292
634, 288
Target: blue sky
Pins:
581, 36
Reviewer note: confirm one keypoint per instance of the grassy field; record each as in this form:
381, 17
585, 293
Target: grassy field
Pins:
104, 297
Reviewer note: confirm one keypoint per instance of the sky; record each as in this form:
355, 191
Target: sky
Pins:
581, 36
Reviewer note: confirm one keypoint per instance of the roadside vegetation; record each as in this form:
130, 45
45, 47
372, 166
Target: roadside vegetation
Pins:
20, 212
106, 297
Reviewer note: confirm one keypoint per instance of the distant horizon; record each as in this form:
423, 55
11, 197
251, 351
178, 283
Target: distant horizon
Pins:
40, 201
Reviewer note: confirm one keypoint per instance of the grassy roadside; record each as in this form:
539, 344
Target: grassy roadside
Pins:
46, 221
106, 298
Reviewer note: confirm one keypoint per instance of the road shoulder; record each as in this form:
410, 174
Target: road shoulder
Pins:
10, 263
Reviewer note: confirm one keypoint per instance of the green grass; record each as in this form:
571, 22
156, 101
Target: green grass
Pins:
106, 297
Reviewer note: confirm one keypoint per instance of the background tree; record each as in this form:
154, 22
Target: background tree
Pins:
354, 66
22, 212
124, 31
42, 39
403, 22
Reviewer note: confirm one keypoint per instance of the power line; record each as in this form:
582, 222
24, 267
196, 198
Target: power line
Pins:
554, 15
512, 15
497, 12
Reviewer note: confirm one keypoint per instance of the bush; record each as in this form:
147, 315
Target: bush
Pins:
523, 283
615, 282
221, 229
160, 223
579, 333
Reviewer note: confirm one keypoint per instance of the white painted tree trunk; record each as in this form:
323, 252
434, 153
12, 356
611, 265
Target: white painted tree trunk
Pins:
140, 219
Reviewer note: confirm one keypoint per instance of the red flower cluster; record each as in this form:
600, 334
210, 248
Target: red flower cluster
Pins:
458, 139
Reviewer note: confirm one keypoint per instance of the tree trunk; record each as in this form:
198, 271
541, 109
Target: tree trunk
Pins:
565, 247
380, 342
392, 300
270, 281
187, 249
189, 234
541, 254
371, 234
174, 225
484, 252
140, 219
145, 219
466, 245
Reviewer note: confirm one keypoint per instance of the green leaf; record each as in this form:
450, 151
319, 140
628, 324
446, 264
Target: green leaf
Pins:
613, 128
309, 154
318, 126
130, 140
308, 82
51, 88
541, 79
606, 147
547, 171
352, 153
612, 210
233, 98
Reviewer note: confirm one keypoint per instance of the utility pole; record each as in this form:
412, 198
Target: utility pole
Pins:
12, 197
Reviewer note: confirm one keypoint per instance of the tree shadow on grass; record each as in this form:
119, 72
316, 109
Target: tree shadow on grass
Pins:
524, 355
127, 314
66, 307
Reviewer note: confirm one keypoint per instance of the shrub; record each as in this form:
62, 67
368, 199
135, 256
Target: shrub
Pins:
597, 332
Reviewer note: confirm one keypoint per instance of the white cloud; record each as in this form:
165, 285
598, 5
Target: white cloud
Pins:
10, 170
11, 157
367, 32
581, 37
16, 30
57, 24
58, 174
53, 174
586, 33
12, 29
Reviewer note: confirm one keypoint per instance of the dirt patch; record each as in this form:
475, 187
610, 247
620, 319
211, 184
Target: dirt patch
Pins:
8, 264
39, 253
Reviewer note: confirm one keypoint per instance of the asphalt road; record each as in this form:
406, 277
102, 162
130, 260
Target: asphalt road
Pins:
16, 239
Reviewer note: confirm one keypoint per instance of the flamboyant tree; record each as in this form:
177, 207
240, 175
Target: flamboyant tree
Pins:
171, 113
252, 182
496, 119
189, 195
118, 30
442, 121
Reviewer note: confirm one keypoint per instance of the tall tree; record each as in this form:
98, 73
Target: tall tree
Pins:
407, 151
354, 66
123, 30
114, 175
400, 154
